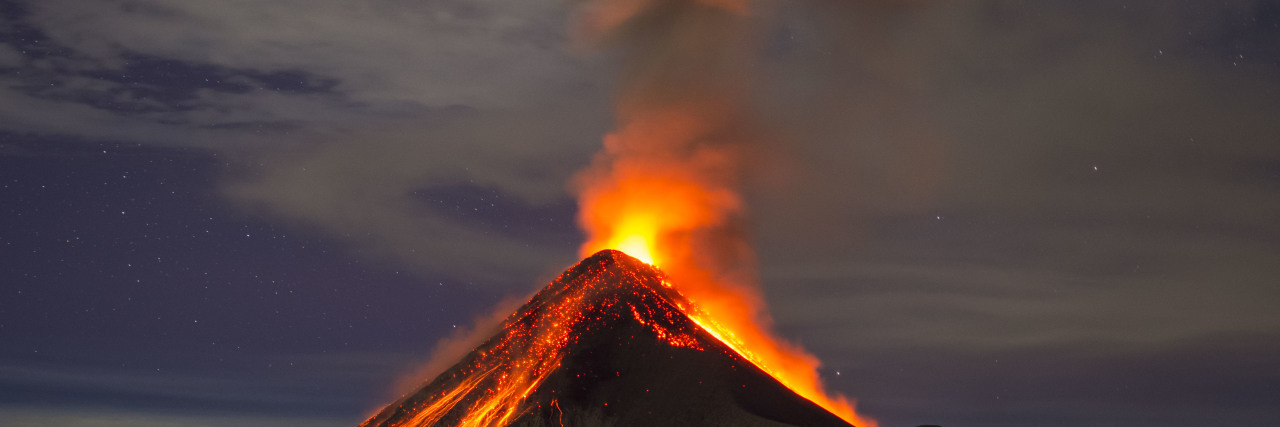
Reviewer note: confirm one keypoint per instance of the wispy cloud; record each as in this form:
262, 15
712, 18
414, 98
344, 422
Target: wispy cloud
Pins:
332, 114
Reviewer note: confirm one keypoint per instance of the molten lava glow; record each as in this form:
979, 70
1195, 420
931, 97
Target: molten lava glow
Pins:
670, 174
637, 246
664, 190
729, 314
668, 179
491, 387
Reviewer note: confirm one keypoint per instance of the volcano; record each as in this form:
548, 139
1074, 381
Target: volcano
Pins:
608, 342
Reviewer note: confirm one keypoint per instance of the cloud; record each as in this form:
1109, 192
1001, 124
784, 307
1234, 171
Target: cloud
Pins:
333, 115
894, 120
482, 54
369, 191
888, 114
944, 195
323, 66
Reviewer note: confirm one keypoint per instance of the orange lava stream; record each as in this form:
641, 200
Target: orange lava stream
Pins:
492, 388
432, 413
789, 365
729, 319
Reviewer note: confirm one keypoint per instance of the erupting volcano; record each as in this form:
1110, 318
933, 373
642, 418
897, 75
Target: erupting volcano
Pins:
609, 342
613, 341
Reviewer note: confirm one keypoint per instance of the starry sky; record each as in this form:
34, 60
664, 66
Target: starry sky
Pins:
980, 213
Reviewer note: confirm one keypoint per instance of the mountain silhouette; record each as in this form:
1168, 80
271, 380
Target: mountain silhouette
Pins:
607, 343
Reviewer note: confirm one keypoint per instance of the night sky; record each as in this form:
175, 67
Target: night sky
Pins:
981, 213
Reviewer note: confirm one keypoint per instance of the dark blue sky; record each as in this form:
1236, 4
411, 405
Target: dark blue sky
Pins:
994, 213
130, 285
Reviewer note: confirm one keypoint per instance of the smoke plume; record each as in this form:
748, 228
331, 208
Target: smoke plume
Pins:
668, 181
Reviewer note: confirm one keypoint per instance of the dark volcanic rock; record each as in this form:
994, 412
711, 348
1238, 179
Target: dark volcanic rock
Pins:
605, 344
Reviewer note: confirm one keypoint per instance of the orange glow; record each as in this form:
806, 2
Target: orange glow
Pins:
730, 313
491, 386
666, 185
637, 246
664, 190
660, 193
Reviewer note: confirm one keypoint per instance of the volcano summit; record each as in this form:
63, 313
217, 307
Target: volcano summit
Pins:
606, 343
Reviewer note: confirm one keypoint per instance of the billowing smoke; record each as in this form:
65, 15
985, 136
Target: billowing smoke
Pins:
667, 184
672, 170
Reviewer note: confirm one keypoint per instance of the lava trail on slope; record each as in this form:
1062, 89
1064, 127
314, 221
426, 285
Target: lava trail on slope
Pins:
608, 342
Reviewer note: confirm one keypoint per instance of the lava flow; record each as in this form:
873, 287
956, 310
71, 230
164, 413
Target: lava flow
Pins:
609, 342
732, 314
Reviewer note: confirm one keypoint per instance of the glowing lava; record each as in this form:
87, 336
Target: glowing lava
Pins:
730, 315
637, 246
664, 190
669, 175
609, 342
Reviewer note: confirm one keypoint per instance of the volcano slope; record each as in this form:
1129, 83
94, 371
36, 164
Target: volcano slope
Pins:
605, 344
